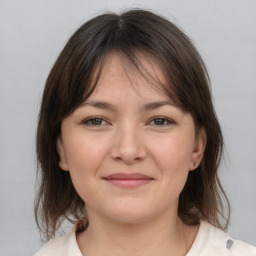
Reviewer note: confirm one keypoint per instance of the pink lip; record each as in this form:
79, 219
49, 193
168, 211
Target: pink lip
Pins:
128, 180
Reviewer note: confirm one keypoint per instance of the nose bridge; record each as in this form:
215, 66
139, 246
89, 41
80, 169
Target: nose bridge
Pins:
129, 144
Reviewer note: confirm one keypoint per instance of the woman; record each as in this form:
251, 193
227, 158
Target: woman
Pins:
129, 145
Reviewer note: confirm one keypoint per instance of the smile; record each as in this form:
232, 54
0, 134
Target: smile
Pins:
128, 180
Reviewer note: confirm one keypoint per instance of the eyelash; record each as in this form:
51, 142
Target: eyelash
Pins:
163, 121
157, 121
90, 121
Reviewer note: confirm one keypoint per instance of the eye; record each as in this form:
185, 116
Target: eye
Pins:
95, 121
161, 121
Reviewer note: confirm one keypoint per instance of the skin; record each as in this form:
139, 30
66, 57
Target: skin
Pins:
120, 129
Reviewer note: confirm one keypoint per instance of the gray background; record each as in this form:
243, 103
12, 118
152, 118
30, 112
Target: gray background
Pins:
32, 33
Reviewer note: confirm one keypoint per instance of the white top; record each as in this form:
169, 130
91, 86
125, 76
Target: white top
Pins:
210, 241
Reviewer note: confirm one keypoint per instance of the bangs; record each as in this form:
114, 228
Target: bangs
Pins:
135, 64
142, 49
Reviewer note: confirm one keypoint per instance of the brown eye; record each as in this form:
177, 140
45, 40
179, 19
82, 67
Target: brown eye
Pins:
96, 121
160, 121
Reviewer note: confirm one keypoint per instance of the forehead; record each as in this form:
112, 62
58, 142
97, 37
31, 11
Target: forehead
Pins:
144, 78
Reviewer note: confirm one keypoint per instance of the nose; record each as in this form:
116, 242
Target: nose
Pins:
128, 145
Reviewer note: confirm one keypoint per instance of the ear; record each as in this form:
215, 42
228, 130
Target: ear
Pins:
199, 148
60, 148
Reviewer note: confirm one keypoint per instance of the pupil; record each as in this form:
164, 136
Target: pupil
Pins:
159, 121
96, 121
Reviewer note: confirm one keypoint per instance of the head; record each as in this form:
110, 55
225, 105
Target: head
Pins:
141, 40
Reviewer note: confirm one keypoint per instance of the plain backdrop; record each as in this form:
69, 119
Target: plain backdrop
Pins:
32, 33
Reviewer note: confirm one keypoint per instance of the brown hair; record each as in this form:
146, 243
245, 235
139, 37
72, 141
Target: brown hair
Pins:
73, 78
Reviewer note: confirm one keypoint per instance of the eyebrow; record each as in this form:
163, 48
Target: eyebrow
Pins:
108, 106
99, 104
157, 104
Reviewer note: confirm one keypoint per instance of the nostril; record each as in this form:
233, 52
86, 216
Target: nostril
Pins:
128, 145
128, 155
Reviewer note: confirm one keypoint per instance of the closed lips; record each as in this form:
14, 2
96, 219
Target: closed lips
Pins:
128, 180
127, 176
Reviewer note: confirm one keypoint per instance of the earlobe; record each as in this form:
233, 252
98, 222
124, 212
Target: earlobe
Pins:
60, 149
199, 148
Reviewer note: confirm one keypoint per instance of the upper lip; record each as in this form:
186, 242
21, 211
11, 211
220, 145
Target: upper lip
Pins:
127, 176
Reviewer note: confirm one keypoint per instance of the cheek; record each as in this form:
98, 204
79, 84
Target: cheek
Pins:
174, 154
173, 160
84, 157
83, 153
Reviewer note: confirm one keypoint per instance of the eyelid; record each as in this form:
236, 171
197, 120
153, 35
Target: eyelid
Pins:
87, 120
169, 120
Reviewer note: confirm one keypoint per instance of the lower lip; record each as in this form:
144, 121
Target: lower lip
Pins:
129, 183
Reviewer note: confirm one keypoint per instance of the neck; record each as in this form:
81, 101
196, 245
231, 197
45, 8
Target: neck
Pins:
165, 236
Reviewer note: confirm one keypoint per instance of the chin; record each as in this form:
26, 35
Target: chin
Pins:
130, 215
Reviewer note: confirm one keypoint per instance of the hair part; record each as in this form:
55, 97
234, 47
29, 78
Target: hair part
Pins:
134, 35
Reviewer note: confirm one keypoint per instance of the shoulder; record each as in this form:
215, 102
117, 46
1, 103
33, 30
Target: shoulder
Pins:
65, 245
241, 248
211, 241
56, 246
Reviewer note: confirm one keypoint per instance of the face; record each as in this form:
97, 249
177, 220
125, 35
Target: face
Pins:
128, 148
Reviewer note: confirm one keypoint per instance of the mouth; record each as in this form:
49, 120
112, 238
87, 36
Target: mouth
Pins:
128, 180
